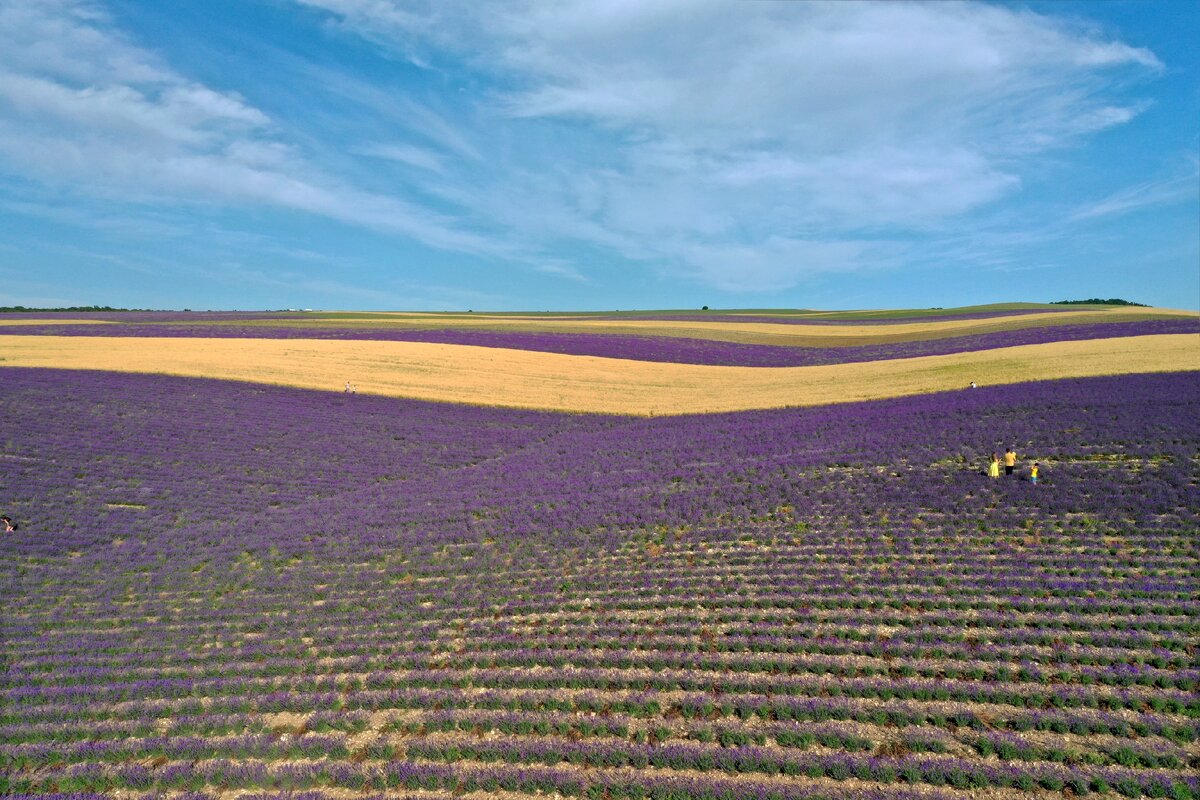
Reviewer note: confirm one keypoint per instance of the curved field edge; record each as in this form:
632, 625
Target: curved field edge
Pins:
552, 381
780, 334
668, 349
758, 331
788, 333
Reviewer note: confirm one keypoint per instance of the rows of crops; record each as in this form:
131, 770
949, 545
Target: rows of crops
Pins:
220, 589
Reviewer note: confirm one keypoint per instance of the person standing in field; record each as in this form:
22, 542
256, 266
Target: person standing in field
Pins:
1033, 473
1010, 461
994, 467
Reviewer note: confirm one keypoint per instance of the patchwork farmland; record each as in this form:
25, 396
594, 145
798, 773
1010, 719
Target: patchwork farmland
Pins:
250, 589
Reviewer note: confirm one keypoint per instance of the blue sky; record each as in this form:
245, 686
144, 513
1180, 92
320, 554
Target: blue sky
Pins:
597, 154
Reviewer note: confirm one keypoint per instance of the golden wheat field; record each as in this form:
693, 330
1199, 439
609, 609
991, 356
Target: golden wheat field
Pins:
795, 334
525, 379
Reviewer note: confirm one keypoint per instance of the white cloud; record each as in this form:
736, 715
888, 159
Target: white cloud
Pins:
803, 74
420, 157
776, 262
370, 16
419, 120
741, 145
749, 136
1143, 195
71, 41
184, 115
560, 270
81, 107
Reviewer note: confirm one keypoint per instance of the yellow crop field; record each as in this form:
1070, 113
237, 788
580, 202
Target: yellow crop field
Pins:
524, 379
794, 334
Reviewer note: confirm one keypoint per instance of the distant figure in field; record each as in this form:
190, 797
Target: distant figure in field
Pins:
1033, 473
347, 389
1010, 461
994, 467
972, 386
9, 525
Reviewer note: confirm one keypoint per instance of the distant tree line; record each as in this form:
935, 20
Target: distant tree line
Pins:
70, 308
1096, 301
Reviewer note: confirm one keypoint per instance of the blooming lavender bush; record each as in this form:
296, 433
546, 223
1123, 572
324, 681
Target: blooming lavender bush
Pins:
225, 588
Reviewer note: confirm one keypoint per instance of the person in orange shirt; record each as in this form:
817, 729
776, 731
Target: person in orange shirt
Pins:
1010, 461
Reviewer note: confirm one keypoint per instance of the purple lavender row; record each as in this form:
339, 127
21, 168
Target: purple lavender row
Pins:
361, 655
1087, 615
290, 694
1169, 634
1109, 600
646, 348
621, 783
593, 678
975, 660
235, 713
366, 647
796, 734
101, 683
337, 633
258, 746
796, 607
959, 773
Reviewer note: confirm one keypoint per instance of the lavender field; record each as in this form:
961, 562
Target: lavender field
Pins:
230, 590
662, 349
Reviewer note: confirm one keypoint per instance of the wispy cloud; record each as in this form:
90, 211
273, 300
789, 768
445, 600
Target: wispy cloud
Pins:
778, 262
405, 154
420, 121
768, 136
561, 270
746, 147
1143, 195
81, 106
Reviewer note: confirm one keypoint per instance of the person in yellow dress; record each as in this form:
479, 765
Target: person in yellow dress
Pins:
994, 467
1033, 473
